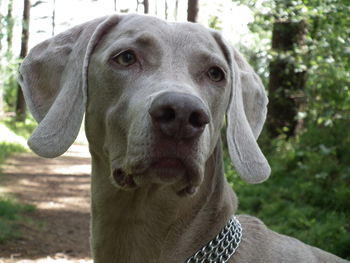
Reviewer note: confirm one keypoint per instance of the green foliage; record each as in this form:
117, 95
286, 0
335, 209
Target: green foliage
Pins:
8, 73
308, 194
215, 23
10, 210
6, 149
24, 129
10, 217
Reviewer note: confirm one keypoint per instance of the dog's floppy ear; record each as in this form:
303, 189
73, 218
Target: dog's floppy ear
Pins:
246, 115
53, 80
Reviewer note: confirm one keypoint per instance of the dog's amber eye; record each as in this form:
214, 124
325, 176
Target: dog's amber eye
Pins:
125, 58
216, 74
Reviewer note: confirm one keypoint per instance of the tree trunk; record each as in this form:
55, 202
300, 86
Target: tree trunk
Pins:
155, 8
176, 9
286, 84
21, 105
146, 6
53, 17
166, 10
1, 28
1, 81
10, 25
192, 10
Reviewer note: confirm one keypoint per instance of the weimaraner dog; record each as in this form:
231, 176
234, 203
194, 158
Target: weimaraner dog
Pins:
155, 97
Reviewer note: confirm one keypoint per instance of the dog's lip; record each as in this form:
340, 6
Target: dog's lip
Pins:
168, 169
168, 163
161, 168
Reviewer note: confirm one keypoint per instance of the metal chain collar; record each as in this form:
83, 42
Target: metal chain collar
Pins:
222, 247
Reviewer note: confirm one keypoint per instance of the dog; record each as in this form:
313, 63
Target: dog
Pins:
155, 96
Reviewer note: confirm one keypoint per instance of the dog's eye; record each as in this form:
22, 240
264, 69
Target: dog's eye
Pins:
216, 74
126, 58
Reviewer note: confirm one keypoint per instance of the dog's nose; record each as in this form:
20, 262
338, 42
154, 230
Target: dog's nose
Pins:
179, 115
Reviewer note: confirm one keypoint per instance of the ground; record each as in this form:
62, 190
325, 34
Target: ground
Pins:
58, 229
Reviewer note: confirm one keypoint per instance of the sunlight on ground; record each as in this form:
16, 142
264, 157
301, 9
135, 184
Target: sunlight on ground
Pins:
69, 203
6, 135
73, 169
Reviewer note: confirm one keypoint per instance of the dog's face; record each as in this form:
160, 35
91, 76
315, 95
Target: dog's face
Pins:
157, 97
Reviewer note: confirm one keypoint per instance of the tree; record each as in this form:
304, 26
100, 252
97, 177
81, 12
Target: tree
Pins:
146, 6
53, 17
192, 10
21, 105
166, 10
10, 25
115, 5
286, 84
176, 9
156, 7
1, 81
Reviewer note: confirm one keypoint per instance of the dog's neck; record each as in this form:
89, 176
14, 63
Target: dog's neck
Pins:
153, 224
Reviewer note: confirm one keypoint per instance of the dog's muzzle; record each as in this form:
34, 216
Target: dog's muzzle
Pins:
177, 121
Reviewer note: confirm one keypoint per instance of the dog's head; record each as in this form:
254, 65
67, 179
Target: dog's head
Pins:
155, 95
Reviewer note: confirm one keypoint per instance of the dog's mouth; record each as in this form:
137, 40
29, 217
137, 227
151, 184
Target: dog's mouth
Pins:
181, 174
168, 169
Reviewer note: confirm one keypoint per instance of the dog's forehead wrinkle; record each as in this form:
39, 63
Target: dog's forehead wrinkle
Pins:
175, 35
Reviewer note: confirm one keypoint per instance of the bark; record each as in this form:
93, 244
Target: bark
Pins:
53, 17
166, 10
176, 9
10, 25
21, 105
1, 81
286, 85
146, 6
1, 27
192, 11
155, 8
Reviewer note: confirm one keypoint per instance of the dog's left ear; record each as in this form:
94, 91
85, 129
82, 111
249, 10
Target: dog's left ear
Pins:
246, 115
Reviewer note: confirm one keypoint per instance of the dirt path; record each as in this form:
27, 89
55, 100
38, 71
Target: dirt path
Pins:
58, 230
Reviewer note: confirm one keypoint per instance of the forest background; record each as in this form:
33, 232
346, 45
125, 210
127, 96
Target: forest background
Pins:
300, 49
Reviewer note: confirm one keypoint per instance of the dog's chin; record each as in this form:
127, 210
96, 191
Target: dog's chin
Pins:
183, 179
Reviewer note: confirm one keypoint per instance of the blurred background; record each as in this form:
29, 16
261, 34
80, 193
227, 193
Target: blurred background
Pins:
300, 49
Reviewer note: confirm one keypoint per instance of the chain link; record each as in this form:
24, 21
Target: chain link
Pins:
222, 247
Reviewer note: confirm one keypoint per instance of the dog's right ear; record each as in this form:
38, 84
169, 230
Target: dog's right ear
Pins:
245, 118
246, 115
53, 80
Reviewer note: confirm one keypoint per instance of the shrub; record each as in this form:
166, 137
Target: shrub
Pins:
308, 194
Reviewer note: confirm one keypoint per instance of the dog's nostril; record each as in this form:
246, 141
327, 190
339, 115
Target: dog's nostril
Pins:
118, 176
198, 119
122, 179
167, 115
163, 114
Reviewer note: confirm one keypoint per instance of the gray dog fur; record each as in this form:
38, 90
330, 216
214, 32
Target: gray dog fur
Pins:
149, 221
